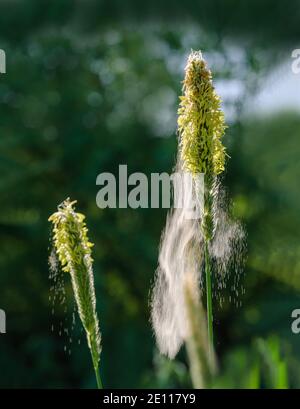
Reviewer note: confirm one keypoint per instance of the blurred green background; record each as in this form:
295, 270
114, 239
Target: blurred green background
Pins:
94, 84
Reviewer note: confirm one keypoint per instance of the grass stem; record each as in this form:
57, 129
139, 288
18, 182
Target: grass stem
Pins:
95, 359
209, 300
98, 378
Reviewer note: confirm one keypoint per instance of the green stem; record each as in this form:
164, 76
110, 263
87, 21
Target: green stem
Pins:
98, 378
209, 300
95, 358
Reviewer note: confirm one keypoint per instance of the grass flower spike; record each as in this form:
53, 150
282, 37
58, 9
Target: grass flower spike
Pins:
201, 126
75, 255
200, 121
207, 244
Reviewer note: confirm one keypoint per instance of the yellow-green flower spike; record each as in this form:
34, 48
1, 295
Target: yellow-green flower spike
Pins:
200, 120
74, 252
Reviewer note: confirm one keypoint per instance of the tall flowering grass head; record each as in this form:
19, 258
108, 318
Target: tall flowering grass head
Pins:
201, 122
74, 251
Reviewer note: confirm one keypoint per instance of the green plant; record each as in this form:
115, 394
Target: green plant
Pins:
273, 366
201, 127
74, 252
188, 243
